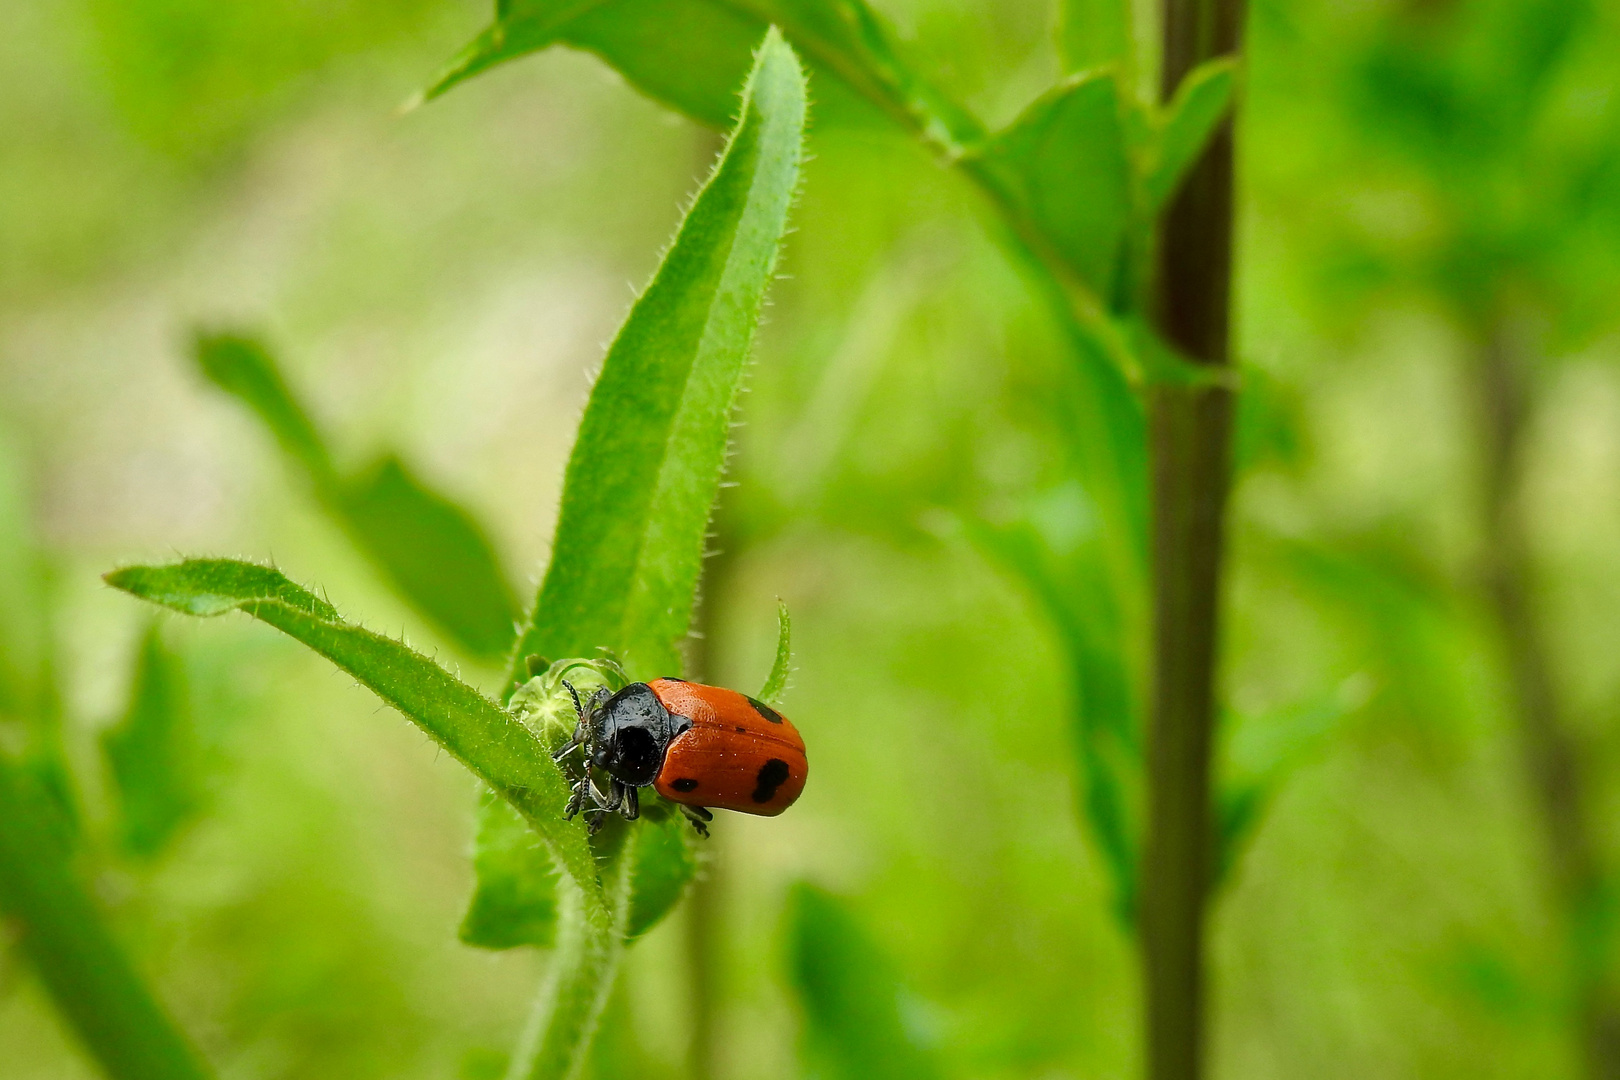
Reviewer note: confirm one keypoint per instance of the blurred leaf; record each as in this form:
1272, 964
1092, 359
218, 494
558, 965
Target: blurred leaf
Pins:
664, 866
434, 553
515, 899
431, 550
71, 949
1201, 103
692, 54
1078, 596
855, 1021
498, 749
1261, 753
244, 368
781, 667
1063, 165
152, 752
646, 466
1092, 33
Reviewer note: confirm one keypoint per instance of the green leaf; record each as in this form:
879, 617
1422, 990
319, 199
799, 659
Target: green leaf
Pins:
1065, 167
435, 555
244, 368
431, 551
1093, 33
664, 866
152, 753
692, 54
501, 751
776, 681
1074, 589
59, 927
854, 1004
515, 901
646, 467
1201, 102
1261, 753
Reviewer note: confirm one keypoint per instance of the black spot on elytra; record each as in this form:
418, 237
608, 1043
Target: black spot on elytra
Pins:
771, 775
766, 711
742, 731
685, 783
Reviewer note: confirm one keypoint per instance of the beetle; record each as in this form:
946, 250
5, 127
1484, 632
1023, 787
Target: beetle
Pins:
697, 746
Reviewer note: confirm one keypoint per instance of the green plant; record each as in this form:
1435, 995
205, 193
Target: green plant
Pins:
630, 538
1119, 204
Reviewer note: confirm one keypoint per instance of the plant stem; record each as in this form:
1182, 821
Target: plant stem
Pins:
1552, 760
1189, 446
584, 967
58, 927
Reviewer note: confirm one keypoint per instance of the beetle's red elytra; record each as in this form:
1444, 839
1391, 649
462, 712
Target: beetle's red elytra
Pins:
738, 753
698, 746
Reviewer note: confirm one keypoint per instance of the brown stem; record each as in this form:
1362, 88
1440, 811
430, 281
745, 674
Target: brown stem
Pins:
1190, 446
1551, 755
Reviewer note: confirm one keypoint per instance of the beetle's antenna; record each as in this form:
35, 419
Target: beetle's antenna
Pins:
579, 710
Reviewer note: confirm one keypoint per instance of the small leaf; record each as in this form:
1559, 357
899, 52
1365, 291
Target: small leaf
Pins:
1201, 102
776, 682
856, 1024
646, 466
1065, 166
152, 753
515, 900
431, 550
501, 751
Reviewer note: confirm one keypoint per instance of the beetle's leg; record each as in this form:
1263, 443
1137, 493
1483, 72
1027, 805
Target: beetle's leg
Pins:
632, 803
699, 817
577, 800
566, 748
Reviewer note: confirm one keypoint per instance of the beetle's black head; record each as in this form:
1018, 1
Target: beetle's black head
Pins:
632, 730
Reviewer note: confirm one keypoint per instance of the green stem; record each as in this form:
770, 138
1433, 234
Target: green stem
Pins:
1190, 448
60, 930
584, 966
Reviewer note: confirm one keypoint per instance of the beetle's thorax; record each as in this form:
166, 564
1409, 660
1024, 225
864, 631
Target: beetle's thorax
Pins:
628, 733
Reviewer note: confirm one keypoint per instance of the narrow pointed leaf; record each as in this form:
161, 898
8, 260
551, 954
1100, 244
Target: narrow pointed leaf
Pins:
431, 550
853, 1001
152, 753
1201, 102
776, 681
502, 752
646, 466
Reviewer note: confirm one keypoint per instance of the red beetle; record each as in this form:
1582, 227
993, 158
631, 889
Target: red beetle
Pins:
698, 746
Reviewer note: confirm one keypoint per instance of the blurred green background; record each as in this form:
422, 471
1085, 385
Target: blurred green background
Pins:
1417, 178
